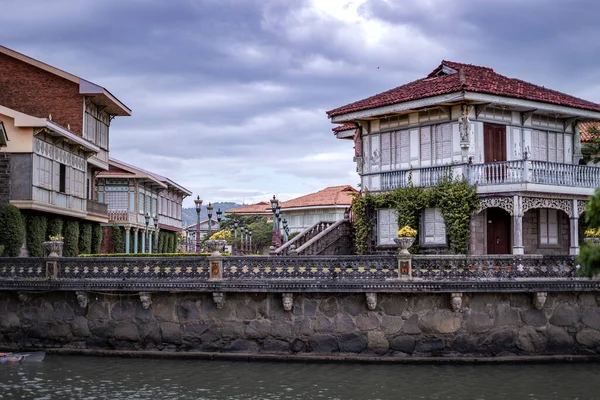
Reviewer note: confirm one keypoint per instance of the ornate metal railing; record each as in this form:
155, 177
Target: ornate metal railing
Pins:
311, 268
494, 267
373, 267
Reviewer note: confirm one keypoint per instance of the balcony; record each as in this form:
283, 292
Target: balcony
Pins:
118, 215
100, 209
506, 175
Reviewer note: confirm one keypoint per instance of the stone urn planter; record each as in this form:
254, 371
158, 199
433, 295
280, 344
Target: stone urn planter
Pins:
54, 248
216, 246
404, 243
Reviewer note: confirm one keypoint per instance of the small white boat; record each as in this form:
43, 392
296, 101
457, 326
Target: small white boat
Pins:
32, 356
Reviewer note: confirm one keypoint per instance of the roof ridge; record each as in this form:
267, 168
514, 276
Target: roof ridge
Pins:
469, 77
448, 62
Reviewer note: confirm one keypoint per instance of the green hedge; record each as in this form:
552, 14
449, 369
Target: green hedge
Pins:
96, 237
36, 233
153, 255
85, 238
12, 230
118, 239
55, 226
71, 235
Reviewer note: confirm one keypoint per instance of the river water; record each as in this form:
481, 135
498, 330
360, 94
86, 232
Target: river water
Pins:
71, 377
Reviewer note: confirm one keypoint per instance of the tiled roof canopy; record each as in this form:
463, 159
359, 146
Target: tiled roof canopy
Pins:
331, 196
258, 208
584, 128
345, 127
467, 78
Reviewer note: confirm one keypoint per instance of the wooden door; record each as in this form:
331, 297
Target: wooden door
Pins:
498, 231
494, 148
494, 142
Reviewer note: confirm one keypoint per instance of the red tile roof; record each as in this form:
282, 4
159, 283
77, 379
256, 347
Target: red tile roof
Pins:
345, 127
258, 208
331, 196
468, 77
584, 128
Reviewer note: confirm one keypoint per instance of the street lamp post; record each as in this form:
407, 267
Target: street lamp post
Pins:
156, 230
198, 203
209, 209
235, 228
242, 231
147, 219
219, 216
250, 242
285, 230
276, 241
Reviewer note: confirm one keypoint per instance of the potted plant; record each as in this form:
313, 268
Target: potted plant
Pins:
216, 243
405, 239
54, 246
592, 236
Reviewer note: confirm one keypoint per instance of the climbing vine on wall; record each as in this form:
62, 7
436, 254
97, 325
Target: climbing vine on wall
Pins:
456, 199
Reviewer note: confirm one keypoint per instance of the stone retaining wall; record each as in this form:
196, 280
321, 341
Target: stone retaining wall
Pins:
320, 324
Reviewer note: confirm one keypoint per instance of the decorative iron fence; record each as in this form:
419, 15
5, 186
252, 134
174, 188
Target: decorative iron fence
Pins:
317, 268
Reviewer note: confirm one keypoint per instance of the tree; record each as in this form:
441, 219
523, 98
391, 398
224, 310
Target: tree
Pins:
591, 149
589, 257
261, 229
12, 232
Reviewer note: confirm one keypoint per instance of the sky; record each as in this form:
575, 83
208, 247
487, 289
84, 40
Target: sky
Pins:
229, 97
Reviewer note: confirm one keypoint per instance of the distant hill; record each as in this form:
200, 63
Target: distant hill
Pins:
189, 216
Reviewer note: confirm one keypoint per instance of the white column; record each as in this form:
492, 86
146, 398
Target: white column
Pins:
518, 247
574, 230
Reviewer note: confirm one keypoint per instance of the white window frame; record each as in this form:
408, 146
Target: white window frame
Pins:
433, 228
548, 227
387, 226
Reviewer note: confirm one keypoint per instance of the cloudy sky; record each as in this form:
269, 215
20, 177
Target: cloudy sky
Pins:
229, 96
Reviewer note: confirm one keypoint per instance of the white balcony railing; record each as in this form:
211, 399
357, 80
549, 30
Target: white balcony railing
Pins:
498, 173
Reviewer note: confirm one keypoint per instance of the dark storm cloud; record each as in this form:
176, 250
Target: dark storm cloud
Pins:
229, 96
548, 42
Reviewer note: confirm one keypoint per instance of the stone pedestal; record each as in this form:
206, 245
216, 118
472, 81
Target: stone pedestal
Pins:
54, 250
404, 266
216, 259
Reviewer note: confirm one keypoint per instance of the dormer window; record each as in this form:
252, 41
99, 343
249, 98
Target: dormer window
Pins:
445, 70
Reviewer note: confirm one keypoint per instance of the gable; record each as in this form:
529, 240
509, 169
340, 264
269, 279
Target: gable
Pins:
3, 135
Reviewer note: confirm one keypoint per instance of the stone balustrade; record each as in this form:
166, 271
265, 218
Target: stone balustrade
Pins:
374, 273
496, 173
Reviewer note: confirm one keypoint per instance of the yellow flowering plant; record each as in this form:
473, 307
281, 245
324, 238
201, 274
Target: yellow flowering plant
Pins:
592, 233
407, 231
56, 238
221, 235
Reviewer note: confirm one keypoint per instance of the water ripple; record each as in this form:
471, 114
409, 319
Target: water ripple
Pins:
91, 378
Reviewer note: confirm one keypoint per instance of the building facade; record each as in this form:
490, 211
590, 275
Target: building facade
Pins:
519, 143
329, 204
142, 203
72, 105
54, 140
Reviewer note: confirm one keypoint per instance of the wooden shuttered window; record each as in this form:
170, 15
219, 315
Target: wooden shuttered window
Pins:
547, 146
387, 226
548, 226
434, 227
